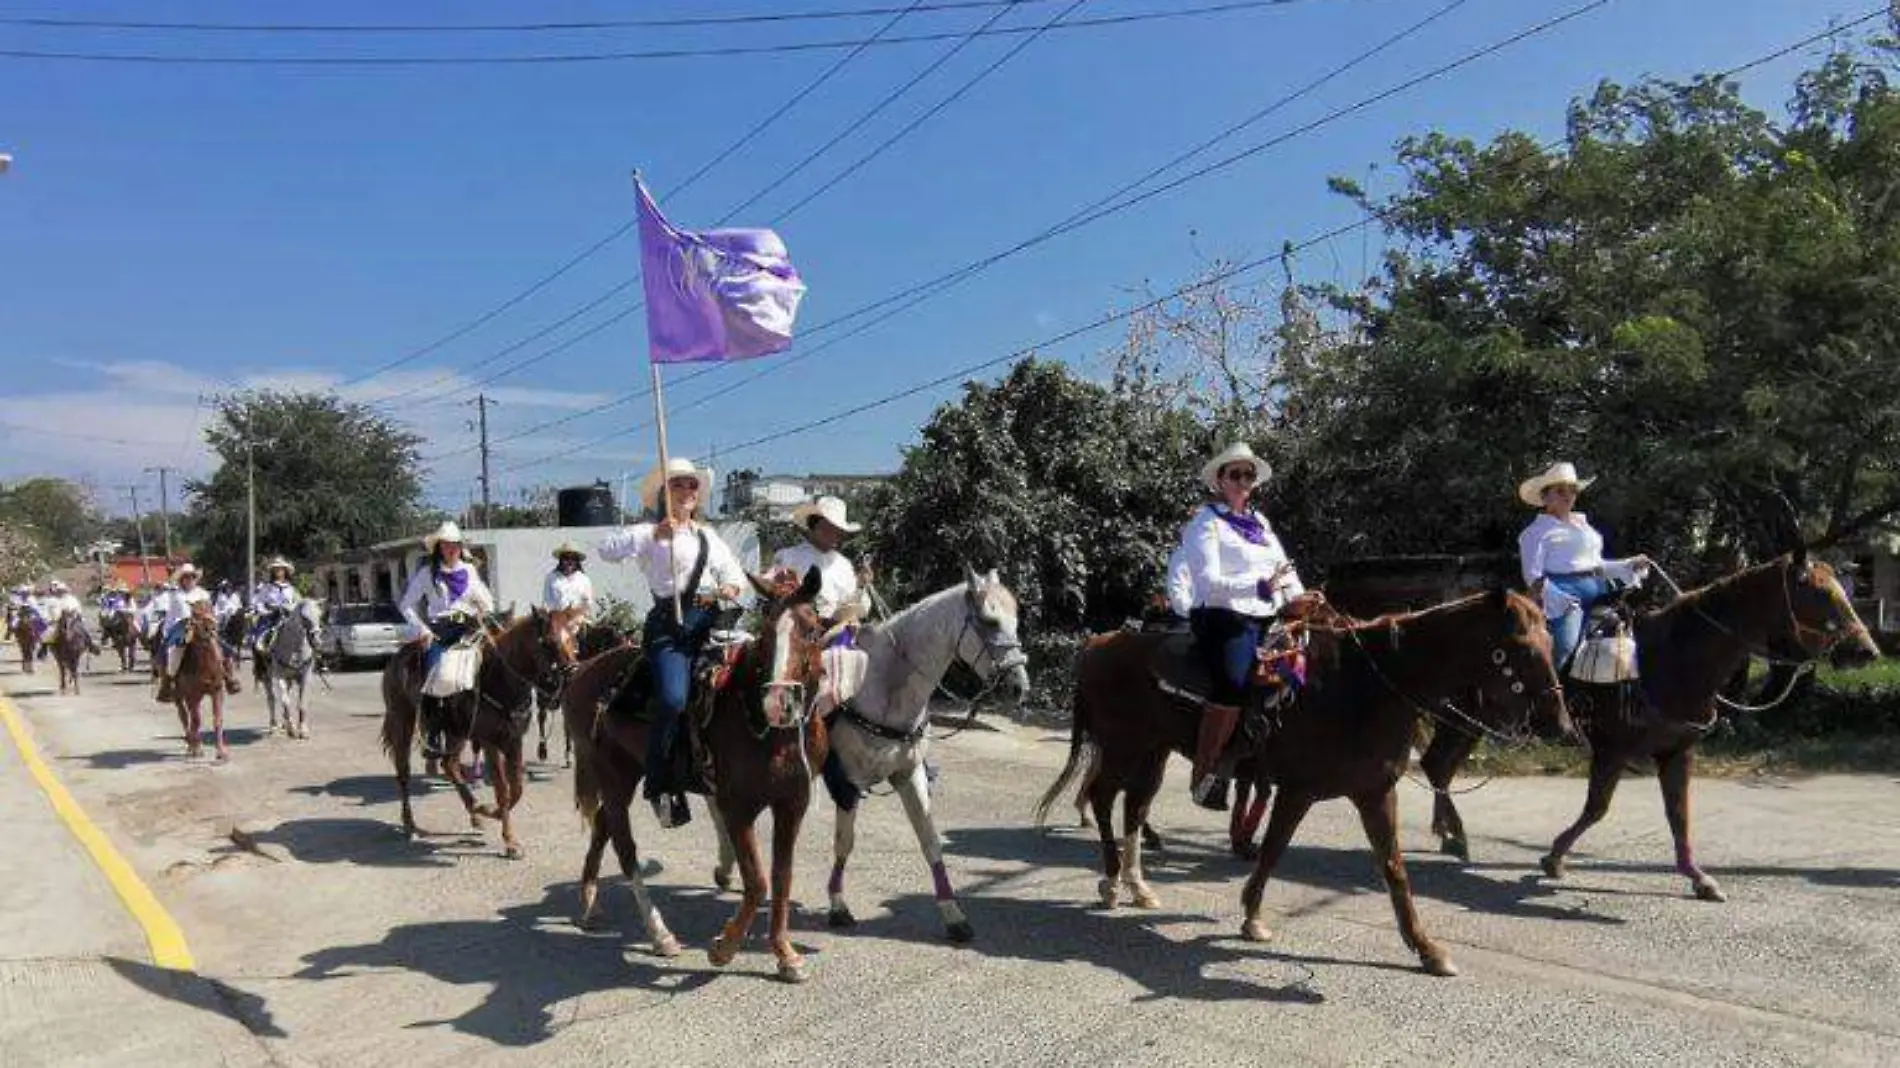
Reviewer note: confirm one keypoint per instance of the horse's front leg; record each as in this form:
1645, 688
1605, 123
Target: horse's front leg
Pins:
1606, 768
1443, 758
914, 791
508, 785
217, 724
786, 818
1288, 810
743, 825
1379, 812
452, 770
1674, 772
844, 838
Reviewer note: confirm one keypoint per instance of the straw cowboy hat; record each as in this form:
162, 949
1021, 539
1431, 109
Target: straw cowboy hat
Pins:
184, 570
568, 548
829, 509
675, 467
1238, 452
1531, 490
448, 532
276, 562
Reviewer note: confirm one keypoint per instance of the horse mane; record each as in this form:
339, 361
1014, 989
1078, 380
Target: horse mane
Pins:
1518, 603
1721, 588
1007, 596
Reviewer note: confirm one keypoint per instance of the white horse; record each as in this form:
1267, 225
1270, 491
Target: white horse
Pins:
880, 736
292, 656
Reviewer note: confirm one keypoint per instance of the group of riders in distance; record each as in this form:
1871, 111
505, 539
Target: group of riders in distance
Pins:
748, 688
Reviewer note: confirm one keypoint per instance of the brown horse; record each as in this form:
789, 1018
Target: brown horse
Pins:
201, 675
754, 767
70, 644
26, 635
120, 630
1789, 608
1347, 735
532, 653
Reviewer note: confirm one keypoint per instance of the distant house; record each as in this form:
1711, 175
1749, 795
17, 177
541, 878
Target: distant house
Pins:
136, 571
779, 495
1876, 581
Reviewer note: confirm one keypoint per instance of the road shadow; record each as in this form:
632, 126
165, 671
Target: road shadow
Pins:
1581, 863
379, 789
115, 759
533, 958
201, 992
1320, 867
369, 843
36, 694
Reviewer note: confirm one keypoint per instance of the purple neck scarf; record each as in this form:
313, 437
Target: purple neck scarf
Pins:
455, 582
1250, 527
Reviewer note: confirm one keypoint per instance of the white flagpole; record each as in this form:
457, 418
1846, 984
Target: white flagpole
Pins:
666, 492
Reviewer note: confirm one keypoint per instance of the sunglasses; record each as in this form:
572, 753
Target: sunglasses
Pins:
1240, 474
682, 482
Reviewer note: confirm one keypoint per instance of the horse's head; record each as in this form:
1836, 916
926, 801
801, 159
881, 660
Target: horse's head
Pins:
552, 651
1821, 620
786, 656
1521, 675
989, 642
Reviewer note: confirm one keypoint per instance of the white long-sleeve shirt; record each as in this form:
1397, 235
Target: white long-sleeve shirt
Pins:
562, 592
838, 579
657, 559
275, 596
424, 598
1552, 546
178, 603
1227, 568
58, 605
1178, 581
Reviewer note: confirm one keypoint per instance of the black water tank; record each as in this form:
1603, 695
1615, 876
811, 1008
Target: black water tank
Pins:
586, 506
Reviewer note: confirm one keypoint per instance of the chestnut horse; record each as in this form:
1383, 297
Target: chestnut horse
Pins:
26, 634
532, 653
754, 767
1789, 608
70, 643
121, 631
200, 675
1348, 734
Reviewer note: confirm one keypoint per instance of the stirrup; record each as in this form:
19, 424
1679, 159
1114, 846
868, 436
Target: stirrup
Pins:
1210, 792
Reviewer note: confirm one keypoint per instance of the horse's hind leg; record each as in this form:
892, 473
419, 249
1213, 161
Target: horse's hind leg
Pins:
728, 856
612, 822
752, 870
843, 838
217, 725
1102, 791
1379, 812
1674, 771
786, 818
1605, 769
1082, 815
1446, 754
914, 791
1288, 810
1140, 795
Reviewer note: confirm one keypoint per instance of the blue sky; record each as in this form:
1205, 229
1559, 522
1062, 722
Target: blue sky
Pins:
168, 231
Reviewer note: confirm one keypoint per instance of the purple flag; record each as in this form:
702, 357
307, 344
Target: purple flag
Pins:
717, 295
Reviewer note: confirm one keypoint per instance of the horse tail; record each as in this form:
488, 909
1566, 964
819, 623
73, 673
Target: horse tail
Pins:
1080, 745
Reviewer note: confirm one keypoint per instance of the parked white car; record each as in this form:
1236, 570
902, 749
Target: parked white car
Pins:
355, 633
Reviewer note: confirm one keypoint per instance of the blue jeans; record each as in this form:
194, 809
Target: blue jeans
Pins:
1566, 631
1226, 642
671, 646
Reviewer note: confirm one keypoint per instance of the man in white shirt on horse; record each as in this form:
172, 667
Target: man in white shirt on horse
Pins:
841, 595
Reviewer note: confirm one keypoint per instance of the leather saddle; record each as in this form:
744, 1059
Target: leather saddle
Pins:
1178, 671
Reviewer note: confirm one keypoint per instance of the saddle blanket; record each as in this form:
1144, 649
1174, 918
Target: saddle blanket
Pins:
454, 672
844, 671
1605, 660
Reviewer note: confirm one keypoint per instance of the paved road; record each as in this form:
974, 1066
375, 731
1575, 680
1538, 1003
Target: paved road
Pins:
333, 941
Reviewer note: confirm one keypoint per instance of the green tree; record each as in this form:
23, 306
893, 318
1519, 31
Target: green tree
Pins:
331, 475
58, 515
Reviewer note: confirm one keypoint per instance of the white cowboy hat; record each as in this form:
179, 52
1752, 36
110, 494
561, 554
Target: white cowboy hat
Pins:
568, 548
1531, 490
448, 532
675, 467
829, 509
183, 570
56, 586
1238, 452
276, 562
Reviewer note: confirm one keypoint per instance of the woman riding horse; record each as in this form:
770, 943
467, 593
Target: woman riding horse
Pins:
178, 607
1562, 556
273, 599
1242, 578
442, 603
690, 571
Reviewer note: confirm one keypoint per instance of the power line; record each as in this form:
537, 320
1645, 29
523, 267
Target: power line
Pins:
1215, 278
724, 51
510, 27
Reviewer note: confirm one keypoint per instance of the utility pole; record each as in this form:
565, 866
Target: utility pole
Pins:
164, 509
138, 524
481, 402
250, 498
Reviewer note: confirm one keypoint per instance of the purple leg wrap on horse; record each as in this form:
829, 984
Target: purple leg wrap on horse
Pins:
836, 885
942, 879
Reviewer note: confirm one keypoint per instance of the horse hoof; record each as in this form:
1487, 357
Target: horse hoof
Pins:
960, 932
1106, 888
722, 879
512, 851
666, 945
721, 952
1085, 821
792, 971
589, 921
1245, 850
1440, 966
1145, 898
1707, 890
841, 917
1455, 847
1255, 931
1553, 865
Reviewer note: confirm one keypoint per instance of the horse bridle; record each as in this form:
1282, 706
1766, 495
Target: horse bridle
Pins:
1460, 720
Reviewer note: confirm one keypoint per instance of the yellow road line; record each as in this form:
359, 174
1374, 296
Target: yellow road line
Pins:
161, 931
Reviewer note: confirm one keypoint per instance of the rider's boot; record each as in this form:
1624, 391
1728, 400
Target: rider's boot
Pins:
1207, 787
